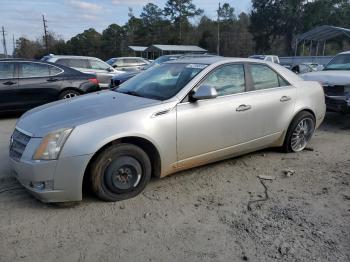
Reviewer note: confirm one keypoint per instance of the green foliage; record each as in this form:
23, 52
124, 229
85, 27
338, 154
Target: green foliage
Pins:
179, 12
270, 28
273, 21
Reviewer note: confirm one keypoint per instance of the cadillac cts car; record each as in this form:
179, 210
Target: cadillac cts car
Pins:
175, 116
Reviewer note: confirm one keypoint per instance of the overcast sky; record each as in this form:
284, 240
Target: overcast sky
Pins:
70, 17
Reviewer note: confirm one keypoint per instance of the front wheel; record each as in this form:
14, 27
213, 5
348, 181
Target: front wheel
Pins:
120, 172
299, 132
68, 94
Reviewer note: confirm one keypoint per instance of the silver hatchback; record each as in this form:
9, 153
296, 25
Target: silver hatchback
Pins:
179, 115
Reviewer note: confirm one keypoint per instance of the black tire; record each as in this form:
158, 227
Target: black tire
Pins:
68, 94
109, 183
287, 145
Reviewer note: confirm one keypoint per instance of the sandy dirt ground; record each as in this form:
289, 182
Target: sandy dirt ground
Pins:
209, 213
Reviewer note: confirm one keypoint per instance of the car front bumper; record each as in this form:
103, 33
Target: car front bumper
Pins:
52, 181
338, 104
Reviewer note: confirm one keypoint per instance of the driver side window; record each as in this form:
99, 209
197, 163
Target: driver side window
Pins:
227, 80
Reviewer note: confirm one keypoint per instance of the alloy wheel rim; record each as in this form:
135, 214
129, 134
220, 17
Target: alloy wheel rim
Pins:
302, 134
70, 95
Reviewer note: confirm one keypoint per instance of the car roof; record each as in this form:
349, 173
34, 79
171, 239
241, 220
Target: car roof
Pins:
213, 60
70, 56
26, 60
127, 57
344, 53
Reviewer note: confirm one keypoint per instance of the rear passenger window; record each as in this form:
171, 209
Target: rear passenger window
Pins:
54, 70
98, 65
64, 62
227, 80
264, 77
7, 70
33, 70
78, 63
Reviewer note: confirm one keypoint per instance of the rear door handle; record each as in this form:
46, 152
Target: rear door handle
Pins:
285, 98
243, 108
9, 83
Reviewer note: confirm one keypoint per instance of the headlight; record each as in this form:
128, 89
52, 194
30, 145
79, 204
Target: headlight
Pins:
52, 144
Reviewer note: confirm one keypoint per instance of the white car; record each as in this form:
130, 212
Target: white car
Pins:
172, 117
335, 79
90, 65
268, 58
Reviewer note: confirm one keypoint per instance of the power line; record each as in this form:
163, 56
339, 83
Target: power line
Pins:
4, 41
45, 34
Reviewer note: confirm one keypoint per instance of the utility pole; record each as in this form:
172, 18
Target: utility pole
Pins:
4, 41
45, 34
13, 44
218, 47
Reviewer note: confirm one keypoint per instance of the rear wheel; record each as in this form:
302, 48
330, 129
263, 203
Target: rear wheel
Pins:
299, 132
120, 172
68, 94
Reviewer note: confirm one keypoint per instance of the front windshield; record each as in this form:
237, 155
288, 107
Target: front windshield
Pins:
339, 62
161, 60
161, 82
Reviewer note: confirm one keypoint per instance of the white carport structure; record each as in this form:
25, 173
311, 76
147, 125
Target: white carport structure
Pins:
138, 49
159, 50
319, 36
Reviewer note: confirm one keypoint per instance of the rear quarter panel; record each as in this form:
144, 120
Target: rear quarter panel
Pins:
310, 96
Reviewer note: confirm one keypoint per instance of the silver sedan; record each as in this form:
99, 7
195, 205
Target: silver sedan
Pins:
173, 117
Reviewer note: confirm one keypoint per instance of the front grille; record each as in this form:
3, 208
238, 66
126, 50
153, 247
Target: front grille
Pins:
336, 90
18, 144
114, 83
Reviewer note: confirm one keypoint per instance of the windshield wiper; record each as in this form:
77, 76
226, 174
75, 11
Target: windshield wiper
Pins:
132, 93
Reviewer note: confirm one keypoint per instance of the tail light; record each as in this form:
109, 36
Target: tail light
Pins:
93, 81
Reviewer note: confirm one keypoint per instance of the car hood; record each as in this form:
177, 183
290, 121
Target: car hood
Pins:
76, 111
329, 77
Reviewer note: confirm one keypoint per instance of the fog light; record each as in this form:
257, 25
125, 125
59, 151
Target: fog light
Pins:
42, 185
37, 185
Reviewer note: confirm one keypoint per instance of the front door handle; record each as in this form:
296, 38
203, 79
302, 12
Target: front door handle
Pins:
243, 108
9, 83
285, 98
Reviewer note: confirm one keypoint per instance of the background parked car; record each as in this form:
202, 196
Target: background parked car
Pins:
119, 79
335, 79
86, 64
25, 84
269, 58
128, 63
306, 68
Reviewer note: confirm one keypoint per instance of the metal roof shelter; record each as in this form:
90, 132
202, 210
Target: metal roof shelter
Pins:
137, 48
173, 49
319, 35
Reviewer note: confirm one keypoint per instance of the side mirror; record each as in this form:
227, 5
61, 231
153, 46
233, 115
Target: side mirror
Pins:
114, 66
204, 92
